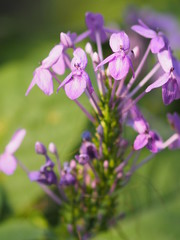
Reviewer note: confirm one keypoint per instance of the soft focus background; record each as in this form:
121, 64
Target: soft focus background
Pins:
28, 30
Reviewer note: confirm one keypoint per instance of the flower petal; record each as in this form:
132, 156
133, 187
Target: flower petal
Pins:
119, 67
158, 83
144, 31
119, 41
156, 44
54, 55
165, 59
174, 120
44, 81
33, 82
140, 141
76, 86
15, 141
66, 80
60, 66
79, 59
7, 163
34, 176
169, 91
106, 60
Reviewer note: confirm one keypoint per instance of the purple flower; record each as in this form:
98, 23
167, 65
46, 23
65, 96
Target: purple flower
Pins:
170, 80
158, 40
95, 24
7, 159
78, 80
66, 177
43, 78
119, 62
87, 152
57, 59
174, 120
46, 173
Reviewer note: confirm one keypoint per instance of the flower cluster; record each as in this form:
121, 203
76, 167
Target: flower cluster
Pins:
88, 184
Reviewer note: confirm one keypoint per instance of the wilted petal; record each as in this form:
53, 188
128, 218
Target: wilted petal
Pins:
157, 43
59, 67
44, 81
144, 31
15, 141
169, 91
140, 141
76, 86
54, 55
119, 41
7, 163
165, 59
119, 67
158, 83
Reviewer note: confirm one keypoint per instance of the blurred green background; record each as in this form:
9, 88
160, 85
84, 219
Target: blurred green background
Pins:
28, 30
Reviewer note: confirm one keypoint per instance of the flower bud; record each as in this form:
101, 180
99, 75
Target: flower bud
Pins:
88, 48
52, 148
40, 148
65, 40
86, 136
95, 57
106, 164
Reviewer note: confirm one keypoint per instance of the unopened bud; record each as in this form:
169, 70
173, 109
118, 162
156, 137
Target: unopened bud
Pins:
73, 164
52, 148
95, 57
106, 164
65, 40
40, 148
88, 48
86, 136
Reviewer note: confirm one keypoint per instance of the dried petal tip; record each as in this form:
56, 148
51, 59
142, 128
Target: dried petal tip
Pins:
52, 148
40, 148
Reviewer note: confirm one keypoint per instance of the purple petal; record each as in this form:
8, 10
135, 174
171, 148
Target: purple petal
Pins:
44, 81
169, 91
33, 82
66, 80
66, 40
157, 43
7, 163
79, 59
106, 60
34, 176
174, 120
175, 144
144, 31
119, 67
165, 59
140, 141
54, 55
158, 83
60, 66
76, 86
119, 41
140, 125
15, 141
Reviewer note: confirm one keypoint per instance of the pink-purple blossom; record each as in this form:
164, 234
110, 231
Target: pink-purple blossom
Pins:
158, 40
119, 61
8, 161
78, 80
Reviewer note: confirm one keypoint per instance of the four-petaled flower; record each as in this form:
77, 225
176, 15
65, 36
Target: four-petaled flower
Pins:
158, 40
170, 80
78, 80
119, 61
8, 161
